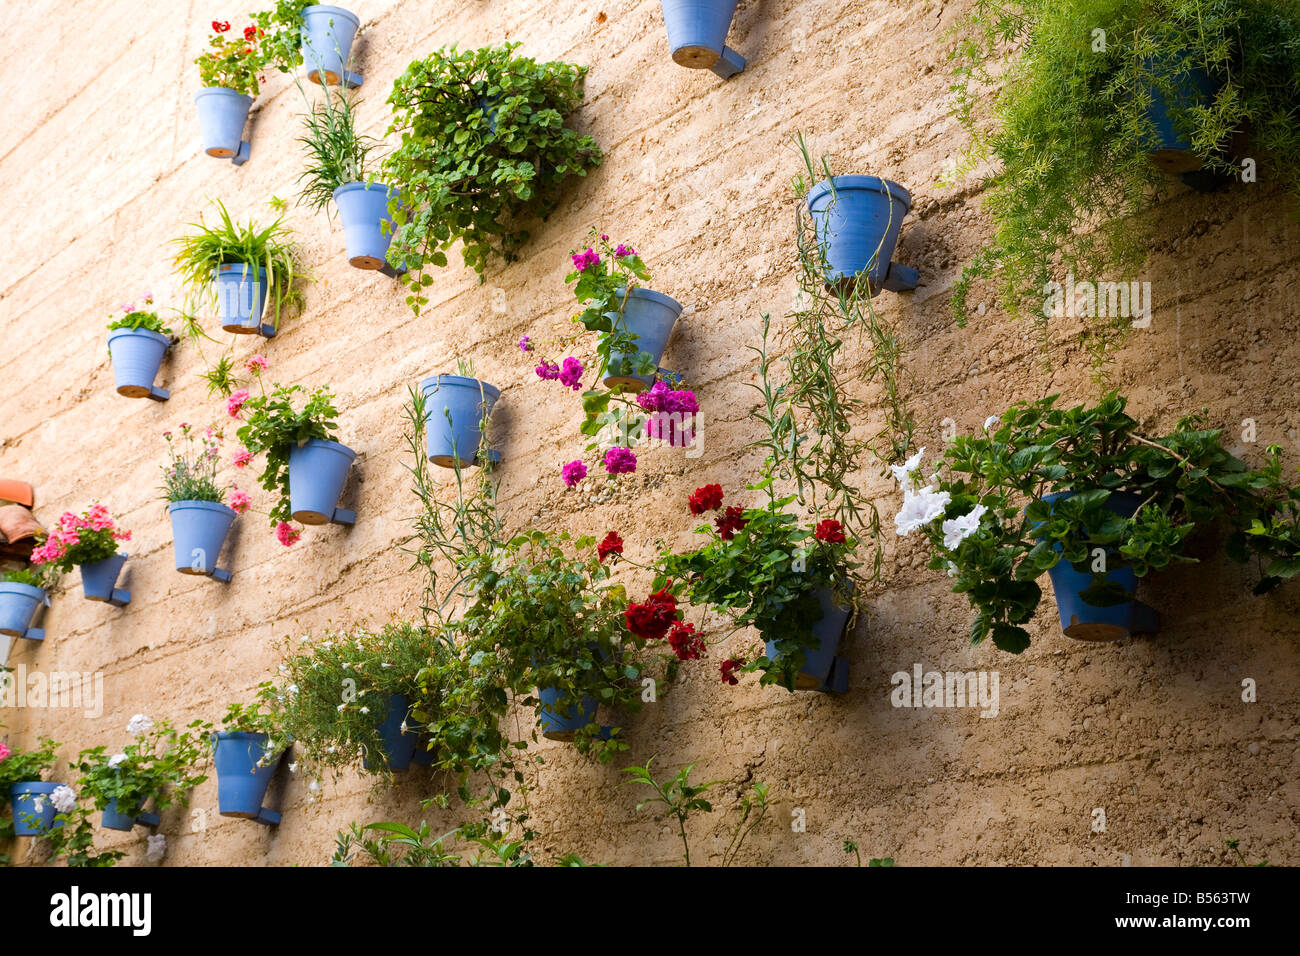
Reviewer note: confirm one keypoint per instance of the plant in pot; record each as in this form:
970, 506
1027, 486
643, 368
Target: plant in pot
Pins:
246, 755
303, 465
1084, 495
338, 169
160, 766
318, 36
1091, 111
484, 150
243, 270
24, 789
88, 541
137, 343
22, 593
457, 409
229, 73
196, 498
627, 400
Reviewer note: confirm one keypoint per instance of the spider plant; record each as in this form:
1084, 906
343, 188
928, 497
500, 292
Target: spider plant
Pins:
336, 153
270, 247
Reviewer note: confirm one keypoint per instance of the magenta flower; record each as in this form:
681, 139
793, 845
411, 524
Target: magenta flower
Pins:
235, 403
571, 375
620, 461
257, 363
287, 534
653, 400
128, 307
622, 252
239, 500
573, 472
682, 401
548, 371
243, 457
582, 261
526, 344
4, 751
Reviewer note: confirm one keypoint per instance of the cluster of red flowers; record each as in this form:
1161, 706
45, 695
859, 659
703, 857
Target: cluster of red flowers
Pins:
686, 644
830, 531
706, 499
220, 26
730, 522
709, 498
612, 544
729, 668
653, 617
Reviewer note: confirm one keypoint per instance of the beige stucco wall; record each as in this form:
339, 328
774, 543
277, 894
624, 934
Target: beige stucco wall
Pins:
101, 166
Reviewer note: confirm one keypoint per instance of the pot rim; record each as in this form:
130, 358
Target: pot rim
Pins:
194, 504
433, 382
26, 590
326, 8
653, 296
139, 333
873, 184
223, 91
361, 185
328, 444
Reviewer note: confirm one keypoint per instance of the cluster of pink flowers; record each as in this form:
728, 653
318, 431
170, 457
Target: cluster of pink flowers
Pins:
242, 458
622, 252
67, 534
573, 472
582, 261
526, 344
620, 461
239, 500
287, 534
236, 402
257, 364
569, 374
4, 751
661, 398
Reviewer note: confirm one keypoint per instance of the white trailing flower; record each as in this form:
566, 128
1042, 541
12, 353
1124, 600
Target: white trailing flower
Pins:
920, 508
139, 725
115, 760
991, 421
342, 707
293, 688
157, 848
365, 710
64, 798
957, 530
38, 803
903, 472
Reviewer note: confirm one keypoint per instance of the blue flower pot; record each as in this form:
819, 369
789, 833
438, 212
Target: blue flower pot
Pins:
99, 581
241, 299
199, 529
241, 782
112, 820
222, 116
137, 355
697, 33
650, 316
563, 725
857, 225
423, 756
318, 471
400, 747
1086, 622
327, 35
462, 400
822, 670
18, 606
23, 798
1169, 149
367, 225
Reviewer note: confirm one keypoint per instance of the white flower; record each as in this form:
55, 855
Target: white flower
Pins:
293, 688
38, 803
952, 569
920, 508
305, 639
903, 472
341, 706
139, 725
116, 759
957, 530
403, 726
293, 767
157, 848
365, 710
64, 798
314, 786
991, 421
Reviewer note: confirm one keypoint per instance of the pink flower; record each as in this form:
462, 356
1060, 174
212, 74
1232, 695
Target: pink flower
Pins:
622, 252
582, 261
619, 461
571, 375
548, 371
682, 401
239, 500
242, 458
257, 363
526, 344
235, 403
653, 400
287, 534
4, 751
573, 472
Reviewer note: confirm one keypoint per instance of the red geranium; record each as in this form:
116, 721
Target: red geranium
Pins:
731, 522
220, 26
706, 499
830, 531
729, 668
250, 33
654, 617
686, 644
612, 544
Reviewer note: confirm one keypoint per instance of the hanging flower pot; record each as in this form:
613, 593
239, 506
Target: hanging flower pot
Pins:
399, 744
563, 725
857, 224
822, 670
367, 226
456, 406
99, 581
697, 33
1088, 622
1170, 150
137, 355
222, 115
241, 297
241, 781
650, 316
112, 820
424, 755
327, 35
199, 529
318, 471
18, 606
33, 810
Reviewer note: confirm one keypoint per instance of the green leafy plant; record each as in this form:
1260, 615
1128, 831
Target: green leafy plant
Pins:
136, 319
336, 153
989, 526
21, 766
270, 248
233, 60
194, 459
851, 846
483, 150
262, 715
80, 539
398, 845
1070, 131
280, 29
274, 427
161, 764
1235, 847
43, 576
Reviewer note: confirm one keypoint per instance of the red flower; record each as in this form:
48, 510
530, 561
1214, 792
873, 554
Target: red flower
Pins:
250, 33
830, 531
729, 668
653, 618
686, 644
220, 26
731, 522
612, 544
706, 499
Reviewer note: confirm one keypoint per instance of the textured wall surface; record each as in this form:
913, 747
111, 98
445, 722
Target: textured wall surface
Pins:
101, 166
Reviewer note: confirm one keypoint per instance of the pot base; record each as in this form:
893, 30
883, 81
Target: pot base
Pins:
624, 383
696, 57
369, 263
221, 152
1094, 632
349, 79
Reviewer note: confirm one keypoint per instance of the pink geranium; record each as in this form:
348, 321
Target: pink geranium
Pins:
287, 534
257, 363
4, 752
239, 500
582, 261
620, 461
573, 472
242, 458
235, 403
